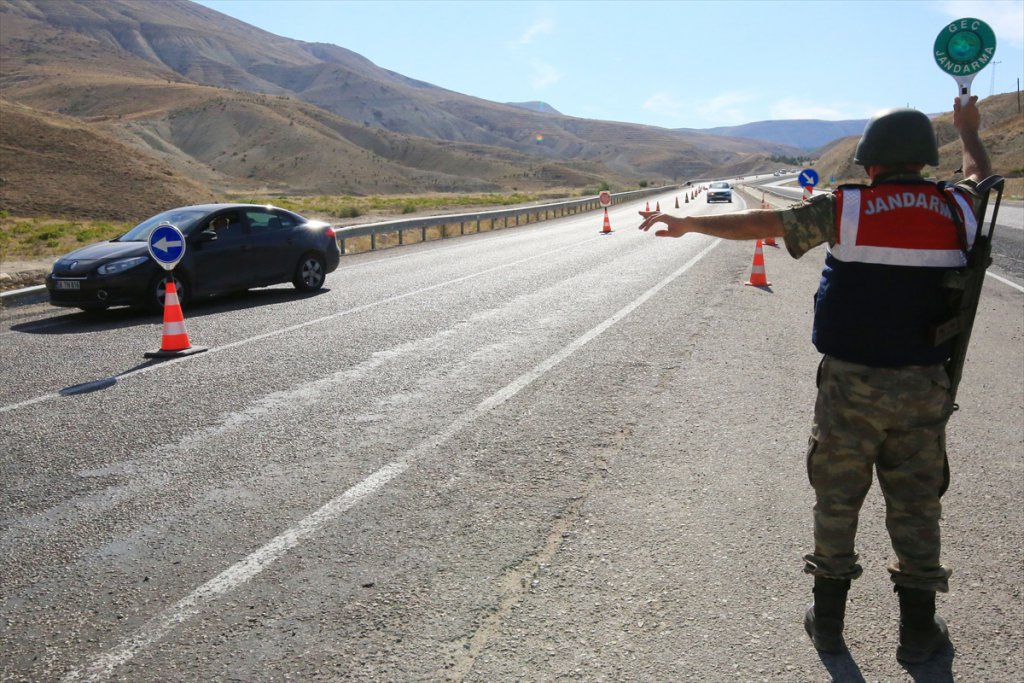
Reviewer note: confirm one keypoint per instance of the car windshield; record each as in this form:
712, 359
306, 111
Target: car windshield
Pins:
182, 219
720, 186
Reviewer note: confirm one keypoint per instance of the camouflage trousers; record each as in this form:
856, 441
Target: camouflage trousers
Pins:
891, 421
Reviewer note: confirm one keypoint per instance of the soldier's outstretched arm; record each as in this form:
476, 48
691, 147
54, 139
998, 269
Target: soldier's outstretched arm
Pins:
752, 224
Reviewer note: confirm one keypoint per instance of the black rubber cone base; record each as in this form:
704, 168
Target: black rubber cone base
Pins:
160, 353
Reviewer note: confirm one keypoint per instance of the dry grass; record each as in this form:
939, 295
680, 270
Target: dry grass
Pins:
25, 239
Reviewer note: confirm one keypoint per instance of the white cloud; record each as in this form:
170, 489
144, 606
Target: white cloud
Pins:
539, 28
1006, 17
544, 75
792, 108
739, 107
663, 104
726, 109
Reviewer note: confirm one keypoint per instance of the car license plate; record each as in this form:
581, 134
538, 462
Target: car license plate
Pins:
67, 284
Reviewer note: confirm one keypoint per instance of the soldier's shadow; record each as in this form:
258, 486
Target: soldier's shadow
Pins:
841, 667
939, 669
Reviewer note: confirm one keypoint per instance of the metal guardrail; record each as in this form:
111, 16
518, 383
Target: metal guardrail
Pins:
778, 198
456, 224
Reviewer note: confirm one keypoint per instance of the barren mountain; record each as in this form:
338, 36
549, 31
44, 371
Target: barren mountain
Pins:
45, 154
124, 101
224, 106
206, 47
804, 134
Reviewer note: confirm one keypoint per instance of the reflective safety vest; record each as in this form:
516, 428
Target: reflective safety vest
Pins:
881, 289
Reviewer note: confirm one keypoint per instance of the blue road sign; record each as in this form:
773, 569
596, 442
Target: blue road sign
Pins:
166, 245
808, 177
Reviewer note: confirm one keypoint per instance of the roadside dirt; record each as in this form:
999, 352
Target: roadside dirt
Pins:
19, 274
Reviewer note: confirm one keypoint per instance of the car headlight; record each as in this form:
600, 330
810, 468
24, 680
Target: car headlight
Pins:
115, 267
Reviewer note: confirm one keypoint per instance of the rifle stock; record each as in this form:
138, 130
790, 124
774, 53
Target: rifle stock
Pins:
965, 285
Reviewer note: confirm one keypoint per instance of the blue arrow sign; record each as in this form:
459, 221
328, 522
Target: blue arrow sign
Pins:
166, 245
808, 177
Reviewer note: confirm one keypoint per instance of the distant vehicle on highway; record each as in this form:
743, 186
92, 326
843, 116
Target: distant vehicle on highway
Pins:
720, 191
229, 247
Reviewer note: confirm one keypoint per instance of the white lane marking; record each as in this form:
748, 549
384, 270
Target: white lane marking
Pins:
285, 330
1005, 281
247, 568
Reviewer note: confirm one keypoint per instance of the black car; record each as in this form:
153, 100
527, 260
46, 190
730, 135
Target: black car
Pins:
228, 247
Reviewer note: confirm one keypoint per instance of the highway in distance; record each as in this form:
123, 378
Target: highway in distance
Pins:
539, 453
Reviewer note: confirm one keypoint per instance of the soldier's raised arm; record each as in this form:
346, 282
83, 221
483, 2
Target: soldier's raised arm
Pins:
967, 121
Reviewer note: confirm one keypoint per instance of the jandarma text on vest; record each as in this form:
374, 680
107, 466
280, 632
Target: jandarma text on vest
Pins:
908, 200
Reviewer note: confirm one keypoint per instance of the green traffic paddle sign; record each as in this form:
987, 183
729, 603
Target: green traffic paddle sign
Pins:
962, 49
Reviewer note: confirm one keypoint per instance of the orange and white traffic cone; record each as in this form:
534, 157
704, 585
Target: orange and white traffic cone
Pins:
758, 277
687, 197
606, 229
647, 207
175, 338
769, 242
677, 201
657, 206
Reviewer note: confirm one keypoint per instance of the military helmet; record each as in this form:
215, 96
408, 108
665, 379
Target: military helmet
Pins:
895, 137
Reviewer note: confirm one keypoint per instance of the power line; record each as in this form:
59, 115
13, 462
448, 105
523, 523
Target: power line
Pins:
992, 89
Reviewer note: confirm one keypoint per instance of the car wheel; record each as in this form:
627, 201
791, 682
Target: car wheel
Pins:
310, 274
158, 287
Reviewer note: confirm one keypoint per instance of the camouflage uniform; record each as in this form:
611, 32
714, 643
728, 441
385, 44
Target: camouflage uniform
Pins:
888, 420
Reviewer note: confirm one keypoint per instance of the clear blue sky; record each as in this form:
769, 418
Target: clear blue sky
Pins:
670, 64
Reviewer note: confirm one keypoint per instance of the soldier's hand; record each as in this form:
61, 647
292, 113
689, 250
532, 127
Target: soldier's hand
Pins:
673, 225
966, 117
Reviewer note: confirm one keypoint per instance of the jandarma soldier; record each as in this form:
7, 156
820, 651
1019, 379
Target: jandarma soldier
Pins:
883, 390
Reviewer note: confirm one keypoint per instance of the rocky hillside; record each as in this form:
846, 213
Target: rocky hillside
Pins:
1002, 132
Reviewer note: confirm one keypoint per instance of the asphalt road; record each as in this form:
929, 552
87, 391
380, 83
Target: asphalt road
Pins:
537, 454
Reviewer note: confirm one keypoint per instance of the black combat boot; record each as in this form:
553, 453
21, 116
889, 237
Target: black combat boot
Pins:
922, 632
824, 619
